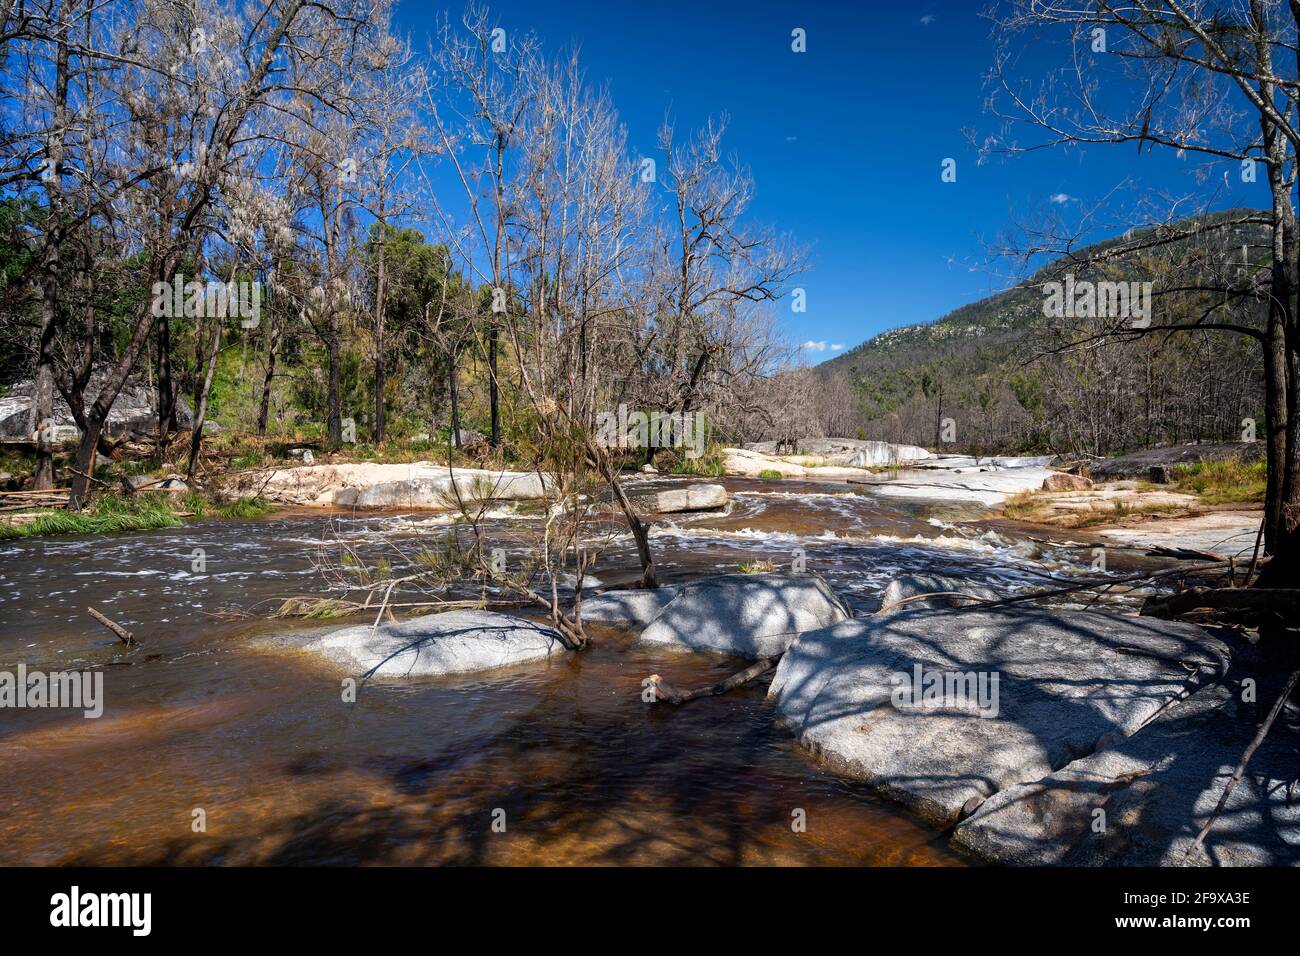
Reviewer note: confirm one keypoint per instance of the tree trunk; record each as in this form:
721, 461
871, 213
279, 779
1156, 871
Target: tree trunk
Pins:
334, 416
640, 533
493, 399
201, 403
455, 406
43, 400
264, 409
379, 340
167, 423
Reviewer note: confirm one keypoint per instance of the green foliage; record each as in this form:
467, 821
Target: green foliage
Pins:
769, 474
108, 515
1224, 482
711, 464
111, 514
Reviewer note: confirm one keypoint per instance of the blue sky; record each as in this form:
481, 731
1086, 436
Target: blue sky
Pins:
846, 140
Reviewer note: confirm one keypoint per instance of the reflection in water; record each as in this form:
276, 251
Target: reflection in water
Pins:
209, 716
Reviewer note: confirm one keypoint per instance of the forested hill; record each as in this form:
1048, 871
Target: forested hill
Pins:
982, 364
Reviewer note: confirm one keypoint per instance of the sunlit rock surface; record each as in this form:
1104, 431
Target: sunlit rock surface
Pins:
456, 642
381, 486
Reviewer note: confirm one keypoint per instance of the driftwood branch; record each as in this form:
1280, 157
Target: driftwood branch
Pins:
675, 695
123, 635
1283, 601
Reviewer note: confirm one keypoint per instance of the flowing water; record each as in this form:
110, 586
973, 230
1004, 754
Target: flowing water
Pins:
211, 722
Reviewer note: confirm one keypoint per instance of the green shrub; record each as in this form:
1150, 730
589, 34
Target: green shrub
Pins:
769, 474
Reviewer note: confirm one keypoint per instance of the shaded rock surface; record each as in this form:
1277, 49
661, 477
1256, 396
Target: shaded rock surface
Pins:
133, 414
746, 615
1152, 792
453, 643
945, 590
1139, 464
627, 608
1066, 680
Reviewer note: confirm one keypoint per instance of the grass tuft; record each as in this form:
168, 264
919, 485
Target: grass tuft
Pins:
1224, 482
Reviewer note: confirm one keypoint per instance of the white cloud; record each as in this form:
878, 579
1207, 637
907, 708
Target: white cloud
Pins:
1059, 198
837, 346
928, 19
811, 346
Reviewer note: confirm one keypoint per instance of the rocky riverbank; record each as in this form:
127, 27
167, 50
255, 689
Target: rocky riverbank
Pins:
1033, 735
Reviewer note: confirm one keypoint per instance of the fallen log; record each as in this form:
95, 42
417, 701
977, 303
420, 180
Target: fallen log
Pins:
1283, 601
675, 695
123, 635
1185, 554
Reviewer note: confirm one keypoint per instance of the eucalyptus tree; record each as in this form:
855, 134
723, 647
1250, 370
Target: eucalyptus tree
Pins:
1199, 79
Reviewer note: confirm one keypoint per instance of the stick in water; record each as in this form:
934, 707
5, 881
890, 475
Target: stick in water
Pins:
122, 633
675, 695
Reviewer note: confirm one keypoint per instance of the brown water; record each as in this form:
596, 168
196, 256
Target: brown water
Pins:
211, 715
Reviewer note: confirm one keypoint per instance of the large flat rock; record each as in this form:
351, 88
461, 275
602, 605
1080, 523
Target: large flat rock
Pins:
1066, 681
847, 452
387, 486
1222, 532
457, 642
985, 485
1142, 801
746, 615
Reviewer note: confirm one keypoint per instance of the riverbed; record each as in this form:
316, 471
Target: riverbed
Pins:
221, 743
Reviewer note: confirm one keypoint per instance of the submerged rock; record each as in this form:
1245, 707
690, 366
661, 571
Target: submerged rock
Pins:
1142, 801
456, 642
746, 615
1050, 685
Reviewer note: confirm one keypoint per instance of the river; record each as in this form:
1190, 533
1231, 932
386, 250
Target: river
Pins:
210, 722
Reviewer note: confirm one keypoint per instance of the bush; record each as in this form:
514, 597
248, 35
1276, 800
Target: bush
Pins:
770, 474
